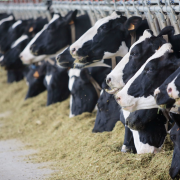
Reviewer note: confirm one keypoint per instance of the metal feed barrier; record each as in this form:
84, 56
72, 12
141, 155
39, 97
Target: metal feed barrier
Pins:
158, 13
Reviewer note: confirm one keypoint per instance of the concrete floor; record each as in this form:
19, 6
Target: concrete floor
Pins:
13, 164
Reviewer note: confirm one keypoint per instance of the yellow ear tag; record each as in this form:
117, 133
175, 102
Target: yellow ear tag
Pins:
72, 22
131, 27
31, 29
36, 74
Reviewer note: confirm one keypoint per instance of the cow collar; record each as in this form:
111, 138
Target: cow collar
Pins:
96, 86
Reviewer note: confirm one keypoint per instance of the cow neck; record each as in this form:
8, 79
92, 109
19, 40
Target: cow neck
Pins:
133, 37
96, 86
167, 116
133, 40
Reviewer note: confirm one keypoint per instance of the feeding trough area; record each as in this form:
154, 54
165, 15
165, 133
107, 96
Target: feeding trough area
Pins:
93, 86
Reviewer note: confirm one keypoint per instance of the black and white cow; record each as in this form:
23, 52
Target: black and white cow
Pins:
48, 41
139, 52
83, 94
109, 37
16, 71
138, 92
56, 81
34, 80
5, 24
10, 60
14, 32
108, 111
58, 33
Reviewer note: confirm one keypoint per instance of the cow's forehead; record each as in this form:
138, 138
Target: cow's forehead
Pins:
6, 19
74, 72
125, 59
164, 48
145, 35
19, 40
16, 24
55, 17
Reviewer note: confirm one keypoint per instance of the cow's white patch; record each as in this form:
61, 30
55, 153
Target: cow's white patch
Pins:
72, 73
172, 89
6, 19
71, 101
131, 103
125, 113
1, 58
116, 74
19, 40
122, 51
16, 24
143, 148
48, 79
93, 31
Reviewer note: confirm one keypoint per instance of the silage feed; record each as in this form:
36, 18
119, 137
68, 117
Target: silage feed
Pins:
75, 152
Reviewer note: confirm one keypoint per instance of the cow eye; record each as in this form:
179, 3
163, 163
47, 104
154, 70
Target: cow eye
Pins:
134, 54
150, 70
105, 27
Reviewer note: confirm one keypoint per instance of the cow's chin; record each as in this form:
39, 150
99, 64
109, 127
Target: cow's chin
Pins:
129, 108
113, 90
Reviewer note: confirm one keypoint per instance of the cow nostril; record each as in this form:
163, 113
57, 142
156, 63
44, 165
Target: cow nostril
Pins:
169, 90
118, 99
108, 80
20, 56
74, 49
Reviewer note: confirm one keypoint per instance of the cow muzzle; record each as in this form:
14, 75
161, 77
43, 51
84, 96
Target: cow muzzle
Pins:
37, 50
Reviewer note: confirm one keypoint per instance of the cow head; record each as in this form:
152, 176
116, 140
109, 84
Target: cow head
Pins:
138, 120
139, 52
138, 92
34, 80
56, 82
11, 58
83, 94
108, 112
109, 37
65, 59
167, 93
55, 36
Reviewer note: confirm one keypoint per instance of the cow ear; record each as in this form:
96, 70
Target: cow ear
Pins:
84, 74
167, 30
133, 23
70, 17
